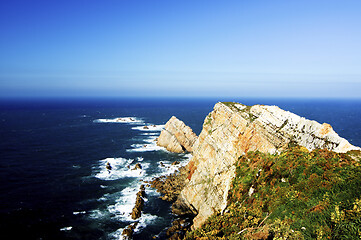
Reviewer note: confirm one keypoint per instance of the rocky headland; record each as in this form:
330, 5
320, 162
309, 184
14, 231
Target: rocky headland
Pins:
229, 132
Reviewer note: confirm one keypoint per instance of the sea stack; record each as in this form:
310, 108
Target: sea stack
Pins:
177, 137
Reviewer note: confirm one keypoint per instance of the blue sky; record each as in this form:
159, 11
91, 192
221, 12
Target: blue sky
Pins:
180, 48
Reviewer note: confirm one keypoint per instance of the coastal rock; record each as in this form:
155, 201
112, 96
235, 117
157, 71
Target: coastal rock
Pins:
230, 131
171, 185
108, 167
177, 137
129, 230
137, 166
139, 203
175, 163
178, 229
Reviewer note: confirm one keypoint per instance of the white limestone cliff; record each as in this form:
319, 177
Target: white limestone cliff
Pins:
231, 130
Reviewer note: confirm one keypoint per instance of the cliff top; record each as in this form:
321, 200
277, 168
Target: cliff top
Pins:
304, 132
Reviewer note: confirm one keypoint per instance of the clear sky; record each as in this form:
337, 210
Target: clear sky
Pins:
254, 48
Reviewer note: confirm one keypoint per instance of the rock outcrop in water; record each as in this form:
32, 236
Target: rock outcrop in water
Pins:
177, 137
230, 131
139, 203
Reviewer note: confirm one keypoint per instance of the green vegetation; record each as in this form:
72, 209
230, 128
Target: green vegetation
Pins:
297, 195
246, 110
209, 119
229, 104
208, 122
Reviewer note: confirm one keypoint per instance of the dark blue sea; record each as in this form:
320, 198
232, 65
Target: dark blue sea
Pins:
53, 153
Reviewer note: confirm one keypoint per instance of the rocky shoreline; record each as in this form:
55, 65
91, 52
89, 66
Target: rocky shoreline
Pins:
170, 187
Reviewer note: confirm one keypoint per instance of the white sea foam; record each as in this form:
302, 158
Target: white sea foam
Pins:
97, 214
122, 209
151, 139
117, 234
81, 212
144, 220
150, 144
167, 167
144, 148
121, 206
188, 156
66, 228
151, 191
102, 199
133, 120
150, 128
150, 134
121, 168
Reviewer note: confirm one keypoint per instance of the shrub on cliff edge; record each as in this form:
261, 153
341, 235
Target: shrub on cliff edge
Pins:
294, 195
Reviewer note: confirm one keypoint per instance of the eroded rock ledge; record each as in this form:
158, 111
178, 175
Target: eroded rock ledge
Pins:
177, 137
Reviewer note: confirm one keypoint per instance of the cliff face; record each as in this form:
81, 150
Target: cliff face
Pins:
230, 131
177, 137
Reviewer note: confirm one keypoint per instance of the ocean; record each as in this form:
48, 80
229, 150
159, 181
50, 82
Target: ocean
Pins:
53, 154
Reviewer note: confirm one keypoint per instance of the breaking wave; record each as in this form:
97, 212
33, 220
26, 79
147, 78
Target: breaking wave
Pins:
149, 128
120, 168
133, 120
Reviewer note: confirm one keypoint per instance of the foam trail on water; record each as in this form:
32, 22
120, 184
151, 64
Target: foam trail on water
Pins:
167, 167
66, 228
81, 212
117, 234
144, 220
98, 214
144, 148
122, 206
122, 209
133, 120
149, 128
150, 144
150, 134
120, 168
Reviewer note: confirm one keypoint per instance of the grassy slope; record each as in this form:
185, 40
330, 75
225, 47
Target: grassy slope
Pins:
297, 195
